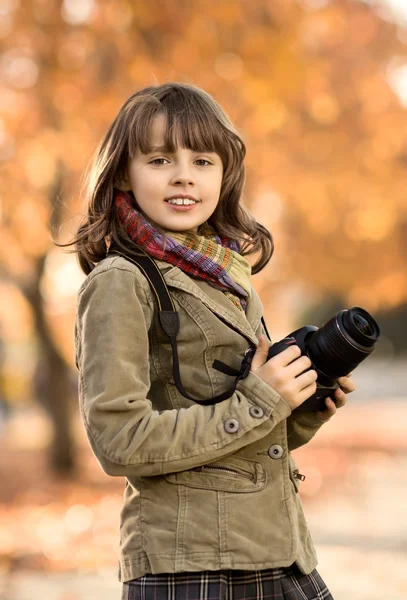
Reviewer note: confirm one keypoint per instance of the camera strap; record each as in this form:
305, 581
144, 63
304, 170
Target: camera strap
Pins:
169, 321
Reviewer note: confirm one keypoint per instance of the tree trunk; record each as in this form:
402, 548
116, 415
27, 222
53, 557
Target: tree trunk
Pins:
52, 383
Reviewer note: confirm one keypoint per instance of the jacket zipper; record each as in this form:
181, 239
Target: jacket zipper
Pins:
298, 475
206, 468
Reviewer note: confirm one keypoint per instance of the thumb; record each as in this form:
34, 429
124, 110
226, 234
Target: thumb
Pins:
260, 355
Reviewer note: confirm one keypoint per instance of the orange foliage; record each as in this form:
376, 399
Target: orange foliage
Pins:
310, 91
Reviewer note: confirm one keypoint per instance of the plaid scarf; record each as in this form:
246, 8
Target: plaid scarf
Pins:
212, 258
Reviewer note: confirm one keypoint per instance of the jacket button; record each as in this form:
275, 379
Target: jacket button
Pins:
231, 425
256, 411
275, 451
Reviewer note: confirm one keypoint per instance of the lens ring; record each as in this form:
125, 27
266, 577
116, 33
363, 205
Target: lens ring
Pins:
350, 341
339, 346
361, 326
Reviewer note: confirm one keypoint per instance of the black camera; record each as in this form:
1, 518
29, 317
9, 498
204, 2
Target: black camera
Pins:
335, 349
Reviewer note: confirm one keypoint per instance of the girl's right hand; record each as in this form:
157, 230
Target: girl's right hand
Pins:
285, 373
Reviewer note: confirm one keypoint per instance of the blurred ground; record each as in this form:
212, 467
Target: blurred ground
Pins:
59, 539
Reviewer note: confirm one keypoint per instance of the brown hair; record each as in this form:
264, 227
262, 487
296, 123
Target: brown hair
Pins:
194, 119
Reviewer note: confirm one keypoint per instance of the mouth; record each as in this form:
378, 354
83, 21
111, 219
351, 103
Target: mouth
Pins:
181, 200
182, 204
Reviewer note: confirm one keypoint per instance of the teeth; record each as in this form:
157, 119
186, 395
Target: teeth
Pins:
185, 201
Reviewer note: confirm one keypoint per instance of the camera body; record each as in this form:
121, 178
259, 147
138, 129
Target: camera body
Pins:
326, 386
335, 349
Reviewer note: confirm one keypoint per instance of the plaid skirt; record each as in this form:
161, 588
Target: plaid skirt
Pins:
267, 584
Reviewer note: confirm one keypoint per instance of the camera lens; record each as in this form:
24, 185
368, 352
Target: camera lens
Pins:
359, 326
343, 342
363, 325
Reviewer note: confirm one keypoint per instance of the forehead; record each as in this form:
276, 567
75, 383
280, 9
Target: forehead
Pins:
157, 130
168, 131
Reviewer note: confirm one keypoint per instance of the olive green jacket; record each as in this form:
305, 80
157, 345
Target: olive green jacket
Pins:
207, 487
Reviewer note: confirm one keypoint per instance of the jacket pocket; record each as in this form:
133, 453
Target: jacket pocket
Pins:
227, 475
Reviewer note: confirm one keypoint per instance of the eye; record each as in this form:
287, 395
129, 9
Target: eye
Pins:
154, 161
203, 160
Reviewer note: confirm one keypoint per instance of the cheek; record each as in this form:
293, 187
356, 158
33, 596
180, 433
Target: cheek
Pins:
145, 184
217, 181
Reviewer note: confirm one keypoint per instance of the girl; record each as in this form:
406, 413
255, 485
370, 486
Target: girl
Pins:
211, 505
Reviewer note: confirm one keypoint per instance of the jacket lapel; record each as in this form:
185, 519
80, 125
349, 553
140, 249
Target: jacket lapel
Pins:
216, 300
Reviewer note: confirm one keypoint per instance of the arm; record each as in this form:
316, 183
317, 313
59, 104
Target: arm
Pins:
127, 435
301, 428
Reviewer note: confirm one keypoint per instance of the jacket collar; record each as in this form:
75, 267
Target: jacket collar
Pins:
216, 300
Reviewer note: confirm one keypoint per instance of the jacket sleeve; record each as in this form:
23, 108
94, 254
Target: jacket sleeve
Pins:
127, 435
301, 427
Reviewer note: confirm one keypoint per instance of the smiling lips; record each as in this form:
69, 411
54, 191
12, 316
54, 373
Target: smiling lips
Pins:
181, 200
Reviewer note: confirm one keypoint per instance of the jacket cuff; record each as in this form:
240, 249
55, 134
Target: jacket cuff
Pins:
262, 394
310, 419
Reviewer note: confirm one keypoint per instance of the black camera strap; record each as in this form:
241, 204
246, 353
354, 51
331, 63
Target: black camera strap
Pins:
169, 320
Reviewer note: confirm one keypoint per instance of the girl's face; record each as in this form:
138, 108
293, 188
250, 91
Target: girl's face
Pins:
160, 175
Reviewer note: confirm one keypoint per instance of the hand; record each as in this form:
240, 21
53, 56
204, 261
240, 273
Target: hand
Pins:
285, 373
346, 387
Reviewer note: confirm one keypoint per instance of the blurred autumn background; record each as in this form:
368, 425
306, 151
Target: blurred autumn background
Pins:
318, 90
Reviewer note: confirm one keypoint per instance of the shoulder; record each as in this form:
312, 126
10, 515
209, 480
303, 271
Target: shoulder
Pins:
119, 269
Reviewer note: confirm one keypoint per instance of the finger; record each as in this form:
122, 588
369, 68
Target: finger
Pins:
306, 379
330, 407
298, 366
260, 356
285, 357
305, 393
329, 411
340, 398
348, 385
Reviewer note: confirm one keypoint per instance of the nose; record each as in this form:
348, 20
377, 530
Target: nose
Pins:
182, 175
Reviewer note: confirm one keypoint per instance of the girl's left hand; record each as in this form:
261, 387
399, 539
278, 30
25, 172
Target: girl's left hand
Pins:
346, 386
